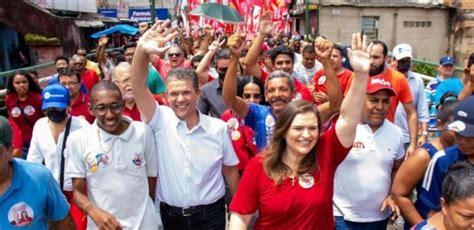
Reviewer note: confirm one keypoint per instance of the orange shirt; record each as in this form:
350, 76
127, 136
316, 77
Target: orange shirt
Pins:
320, 85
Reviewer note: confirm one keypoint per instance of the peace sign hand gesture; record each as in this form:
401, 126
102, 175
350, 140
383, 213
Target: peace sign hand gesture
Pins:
153, 40
359, 56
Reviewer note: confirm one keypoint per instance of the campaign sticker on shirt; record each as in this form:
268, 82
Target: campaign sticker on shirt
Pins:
96, 160
306, 181
233, 124
269, 121
137, 159
322, 80
358, 147
16, 112
29, 110
20, 215
235, 135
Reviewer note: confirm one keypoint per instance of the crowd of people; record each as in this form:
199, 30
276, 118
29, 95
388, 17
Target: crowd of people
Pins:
221, 132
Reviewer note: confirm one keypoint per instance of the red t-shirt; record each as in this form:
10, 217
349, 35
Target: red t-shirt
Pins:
134, 113
164, 67
302, 92
17, 137
24, 113
89, 78
80, 108
242, 138
400, 85
290, 206
320, 83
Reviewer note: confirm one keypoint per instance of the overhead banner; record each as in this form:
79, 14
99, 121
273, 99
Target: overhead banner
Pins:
144, 15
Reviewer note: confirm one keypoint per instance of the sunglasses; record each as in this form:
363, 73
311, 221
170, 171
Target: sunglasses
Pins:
174, 54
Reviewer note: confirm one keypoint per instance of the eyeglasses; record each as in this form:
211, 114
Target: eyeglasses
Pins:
253, 96
115, 108
69, 84
124, 82
174, 54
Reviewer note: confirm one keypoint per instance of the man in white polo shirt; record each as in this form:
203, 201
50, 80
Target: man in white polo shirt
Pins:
194, 150
116, 158
363, 180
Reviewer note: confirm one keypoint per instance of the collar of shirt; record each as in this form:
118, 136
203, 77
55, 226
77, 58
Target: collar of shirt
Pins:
202, 123
410, 75
81, 99
17, 180
125, 136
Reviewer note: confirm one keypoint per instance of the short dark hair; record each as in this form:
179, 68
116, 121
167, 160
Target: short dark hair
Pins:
470, 61
459, 182
223, 54
340, 48
129, 45
101, 86
32, 85
384, 46
281, 49
68, 72
184, 74
309, 49
61, 57
197, 58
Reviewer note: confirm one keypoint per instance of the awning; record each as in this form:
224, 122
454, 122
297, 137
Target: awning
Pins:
89, 23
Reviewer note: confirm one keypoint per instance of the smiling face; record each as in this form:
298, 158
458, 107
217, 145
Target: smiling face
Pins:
284, 63
375, 108
303, 134
278, 93
182, 98
107, 107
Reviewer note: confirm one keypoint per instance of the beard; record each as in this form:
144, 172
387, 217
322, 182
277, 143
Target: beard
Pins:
377, 70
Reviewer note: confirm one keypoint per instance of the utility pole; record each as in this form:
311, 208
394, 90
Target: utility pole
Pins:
306, 18
152, 11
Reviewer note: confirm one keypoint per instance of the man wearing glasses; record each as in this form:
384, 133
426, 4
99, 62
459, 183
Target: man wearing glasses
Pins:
89, 77
116, 158
175, 57
79, 101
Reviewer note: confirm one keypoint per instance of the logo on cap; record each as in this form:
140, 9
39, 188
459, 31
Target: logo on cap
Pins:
457, 126
47, 95
379, 81
462, 113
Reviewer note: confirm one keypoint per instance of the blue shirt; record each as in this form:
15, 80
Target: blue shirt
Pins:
433, 96
261, 119
33, 195
419, 101
422, 208
435, 173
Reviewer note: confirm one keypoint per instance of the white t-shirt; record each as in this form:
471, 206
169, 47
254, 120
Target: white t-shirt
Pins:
116, 169
190, 161
43, 147
363, 180
305, 75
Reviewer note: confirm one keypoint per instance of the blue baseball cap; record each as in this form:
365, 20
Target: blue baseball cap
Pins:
55, 96
446, 60
463, 121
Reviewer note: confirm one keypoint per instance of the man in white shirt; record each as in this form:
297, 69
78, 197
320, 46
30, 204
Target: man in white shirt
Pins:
308, 66
48, 138
363, 180
116, 158
194, 150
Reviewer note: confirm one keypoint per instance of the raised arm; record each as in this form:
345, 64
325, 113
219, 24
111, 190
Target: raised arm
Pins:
323, 50
229, 91
150, 43
351, 107
251, 58
203, 67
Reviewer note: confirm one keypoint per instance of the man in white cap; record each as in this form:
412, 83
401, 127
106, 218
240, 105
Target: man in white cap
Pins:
402, 56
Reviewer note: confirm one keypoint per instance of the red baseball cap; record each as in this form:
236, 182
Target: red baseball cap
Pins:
376, 84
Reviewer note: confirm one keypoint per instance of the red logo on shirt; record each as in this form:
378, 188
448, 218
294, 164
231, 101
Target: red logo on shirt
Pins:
20, 215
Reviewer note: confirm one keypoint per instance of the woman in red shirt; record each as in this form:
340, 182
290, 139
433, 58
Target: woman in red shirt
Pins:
23, 102
251, 90
291, 182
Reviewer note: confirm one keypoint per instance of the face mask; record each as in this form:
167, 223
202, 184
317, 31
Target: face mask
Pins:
403, 66
56, 116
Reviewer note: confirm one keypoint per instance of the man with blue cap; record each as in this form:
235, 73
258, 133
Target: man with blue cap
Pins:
444, 83
49, 138
463, 150
29, 195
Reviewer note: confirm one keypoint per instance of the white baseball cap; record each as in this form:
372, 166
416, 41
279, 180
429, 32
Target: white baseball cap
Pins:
402, 51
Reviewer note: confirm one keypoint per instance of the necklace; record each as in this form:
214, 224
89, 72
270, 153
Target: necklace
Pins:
100, 144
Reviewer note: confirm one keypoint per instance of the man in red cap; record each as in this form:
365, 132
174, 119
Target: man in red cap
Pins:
378, 146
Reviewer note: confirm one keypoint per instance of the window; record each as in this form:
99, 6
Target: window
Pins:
370, 26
